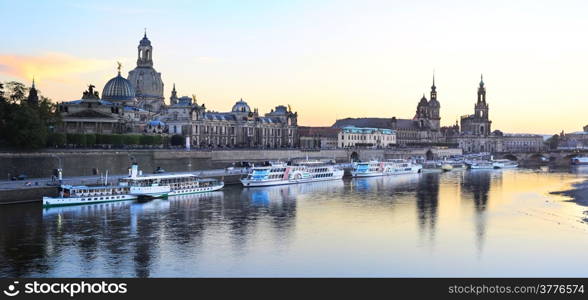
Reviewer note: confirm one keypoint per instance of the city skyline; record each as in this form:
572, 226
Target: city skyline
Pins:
317, 58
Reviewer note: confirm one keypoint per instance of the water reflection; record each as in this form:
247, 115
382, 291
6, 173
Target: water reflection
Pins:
362, 226
476, 186
427, 203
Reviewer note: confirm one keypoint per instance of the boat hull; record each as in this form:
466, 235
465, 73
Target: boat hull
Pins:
197, 190
56, 201
258, 183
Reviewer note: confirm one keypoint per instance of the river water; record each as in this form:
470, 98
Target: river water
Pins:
474, 223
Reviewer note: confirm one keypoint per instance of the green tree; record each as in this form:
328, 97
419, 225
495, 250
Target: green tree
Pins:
26, 129
22, 125
553, 142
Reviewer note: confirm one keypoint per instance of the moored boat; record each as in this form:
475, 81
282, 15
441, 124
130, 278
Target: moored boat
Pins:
504, 164
384, 168
81, 194
280, 173
480, 164
135, 186
579, 160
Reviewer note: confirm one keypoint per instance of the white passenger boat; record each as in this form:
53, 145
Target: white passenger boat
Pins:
135, 186
480, 164
280, 173
384, 168
504, 164
580, 160
81, 194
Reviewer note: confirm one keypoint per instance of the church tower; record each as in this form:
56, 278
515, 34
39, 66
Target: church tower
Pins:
146, 80
33, 98
434, 107
144, 56
479, 123
481, 107
174, 96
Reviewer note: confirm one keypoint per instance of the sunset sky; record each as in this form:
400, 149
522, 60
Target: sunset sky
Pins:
327, 59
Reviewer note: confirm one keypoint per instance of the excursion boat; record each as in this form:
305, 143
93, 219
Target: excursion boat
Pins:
504, 164
81, 194
280, 173
580, 160
384, 168
480, 164
135, 186
170, 185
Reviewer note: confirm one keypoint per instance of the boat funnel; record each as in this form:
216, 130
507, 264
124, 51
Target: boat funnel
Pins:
134, 170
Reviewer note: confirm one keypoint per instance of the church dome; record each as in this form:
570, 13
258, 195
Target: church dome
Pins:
241, 106
423, 101
118, 88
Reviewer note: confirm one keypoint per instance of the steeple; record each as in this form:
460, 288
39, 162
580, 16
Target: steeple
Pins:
33, 98
174, 96
433, 89
481, 91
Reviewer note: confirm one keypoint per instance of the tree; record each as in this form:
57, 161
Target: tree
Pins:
553, 142
26, 129
23, 125
16, 91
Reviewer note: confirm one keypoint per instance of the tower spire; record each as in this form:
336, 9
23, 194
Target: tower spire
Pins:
33, 82
145, 35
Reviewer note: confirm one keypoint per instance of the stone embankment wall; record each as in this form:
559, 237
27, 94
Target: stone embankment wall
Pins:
84, 163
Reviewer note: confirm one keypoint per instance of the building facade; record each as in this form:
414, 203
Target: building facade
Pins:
352, 136
318, 137
242, 127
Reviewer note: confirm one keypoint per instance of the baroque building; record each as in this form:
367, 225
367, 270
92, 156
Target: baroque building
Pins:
116, 112
478, 123
352, 136
318, 137
422, 129
145, 80
476, 135
241, 127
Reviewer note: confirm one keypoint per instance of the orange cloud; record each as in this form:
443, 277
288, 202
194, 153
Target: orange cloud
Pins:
49, 66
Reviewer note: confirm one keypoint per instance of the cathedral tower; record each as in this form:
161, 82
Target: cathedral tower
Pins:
481, 107
478, 124
434, 107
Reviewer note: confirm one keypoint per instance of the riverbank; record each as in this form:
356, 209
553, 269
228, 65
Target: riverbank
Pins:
579, 194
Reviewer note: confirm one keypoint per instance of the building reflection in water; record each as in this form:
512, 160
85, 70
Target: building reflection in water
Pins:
119, 237
427, 203
476, 185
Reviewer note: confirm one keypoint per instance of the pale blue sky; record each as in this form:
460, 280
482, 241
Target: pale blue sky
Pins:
328, 59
